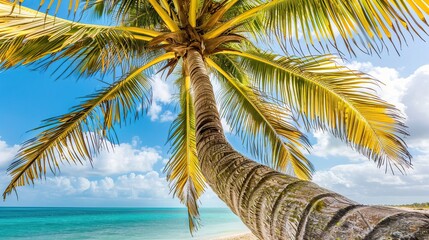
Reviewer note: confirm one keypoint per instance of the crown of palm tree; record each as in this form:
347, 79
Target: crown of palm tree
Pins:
263, 95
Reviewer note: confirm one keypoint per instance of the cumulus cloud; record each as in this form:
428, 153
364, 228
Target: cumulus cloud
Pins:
122, 158
128, 186
7, 153
126, 172
366, 183
167, 116
226, 127
145, 189
329, 146
161, 90
154, 111
416, 99
124, 176
162, 95
117, 159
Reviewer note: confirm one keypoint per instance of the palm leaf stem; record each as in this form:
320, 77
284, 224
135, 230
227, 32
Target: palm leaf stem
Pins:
171, 24
219, 13
238, 19
193, 11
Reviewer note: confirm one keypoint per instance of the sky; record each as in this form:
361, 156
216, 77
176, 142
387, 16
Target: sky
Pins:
131, 174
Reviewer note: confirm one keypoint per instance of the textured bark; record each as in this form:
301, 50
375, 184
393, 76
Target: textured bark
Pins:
277, 206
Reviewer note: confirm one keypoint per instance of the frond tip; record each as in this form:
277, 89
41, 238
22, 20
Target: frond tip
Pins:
183, 170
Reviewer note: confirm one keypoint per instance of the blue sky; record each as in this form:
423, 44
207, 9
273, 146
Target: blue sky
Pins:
131, 174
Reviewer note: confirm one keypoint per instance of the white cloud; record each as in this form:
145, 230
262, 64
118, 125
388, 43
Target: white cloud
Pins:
366, 183
161, 90
117, 159
154, 111
120, 177
131, 186
162, 95
7, 153
226, 127
167, 116
416, 99
329, 146
128, 186
70, 190
123, 158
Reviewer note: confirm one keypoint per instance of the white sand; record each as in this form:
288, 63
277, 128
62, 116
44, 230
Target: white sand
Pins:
241, 236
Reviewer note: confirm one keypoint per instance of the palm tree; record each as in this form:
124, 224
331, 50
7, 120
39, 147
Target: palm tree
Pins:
263, 97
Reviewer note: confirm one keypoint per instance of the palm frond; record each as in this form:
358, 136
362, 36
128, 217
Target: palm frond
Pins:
142, 15
131, 12
365, 24
264, 126
64, 139
171, 24
30, 36
331, 97
193, 12
226, 5
183, 170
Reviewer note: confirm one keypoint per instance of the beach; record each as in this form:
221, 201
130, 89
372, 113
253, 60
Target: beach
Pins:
242, 236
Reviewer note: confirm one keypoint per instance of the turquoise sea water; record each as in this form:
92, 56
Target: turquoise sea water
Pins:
113, 223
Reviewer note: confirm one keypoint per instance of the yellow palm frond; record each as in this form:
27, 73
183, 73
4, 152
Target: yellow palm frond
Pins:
193, 12
64, 138
183, 170
365, 24
331, 97
171, 24
262, 124
219, 13
28, 36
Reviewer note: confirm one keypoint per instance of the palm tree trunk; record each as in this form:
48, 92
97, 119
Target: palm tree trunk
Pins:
277, 206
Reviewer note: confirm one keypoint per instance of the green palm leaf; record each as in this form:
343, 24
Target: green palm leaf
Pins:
64, 137
331, 97
183, 170
261, 124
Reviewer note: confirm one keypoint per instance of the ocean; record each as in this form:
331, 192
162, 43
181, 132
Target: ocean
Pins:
113, 223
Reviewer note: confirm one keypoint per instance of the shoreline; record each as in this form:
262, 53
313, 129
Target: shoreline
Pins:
237, 236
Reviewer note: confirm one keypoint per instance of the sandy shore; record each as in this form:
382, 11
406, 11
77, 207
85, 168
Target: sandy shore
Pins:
243, 236
425, 211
